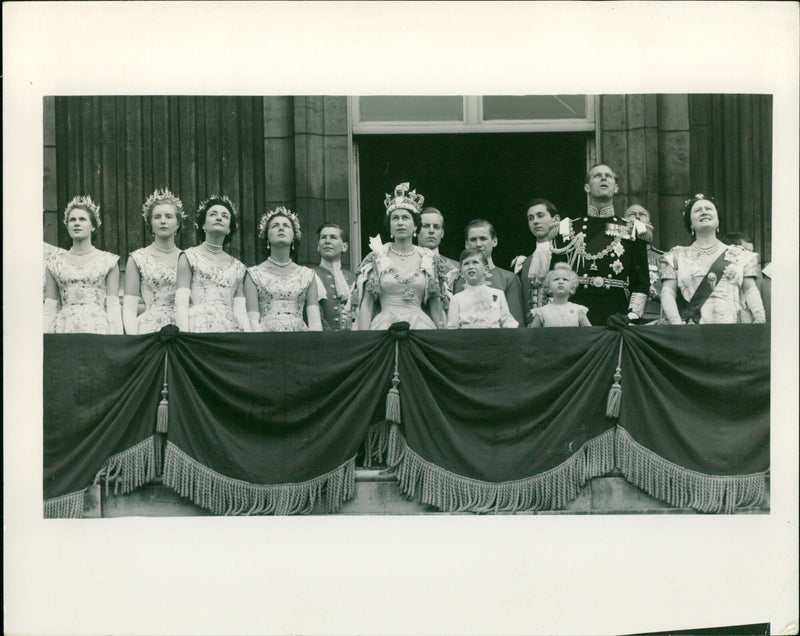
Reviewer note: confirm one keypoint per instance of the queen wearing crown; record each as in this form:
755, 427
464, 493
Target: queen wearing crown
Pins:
84, 279
209, 277
400, 281
279, 290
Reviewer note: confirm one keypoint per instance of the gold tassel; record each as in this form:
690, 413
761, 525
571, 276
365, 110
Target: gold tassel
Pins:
162, 418
615, 393
393, 397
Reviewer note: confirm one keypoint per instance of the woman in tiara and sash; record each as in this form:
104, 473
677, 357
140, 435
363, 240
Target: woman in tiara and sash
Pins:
209, 277
400, 281
84, 279
710, 276
151, 274
279, 290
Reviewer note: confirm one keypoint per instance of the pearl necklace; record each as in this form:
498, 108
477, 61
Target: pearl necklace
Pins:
276, 263
705, 251
76, 253
214, 249
400, 254
167, 251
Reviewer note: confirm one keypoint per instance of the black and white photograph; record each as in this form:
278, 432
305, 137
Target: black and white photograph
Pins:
301, 327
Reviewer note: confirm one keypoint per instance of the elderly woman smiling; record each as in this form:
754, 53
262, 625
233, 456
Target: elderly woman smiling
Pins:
711, 277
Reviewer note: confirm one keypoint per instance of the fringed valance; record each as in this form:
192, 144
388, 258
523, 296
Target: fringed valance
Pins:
473, 420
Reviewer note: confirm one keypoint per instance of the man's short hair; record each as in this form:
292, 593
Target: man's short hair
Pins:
345, 237
593, 166
471, 251
479, 223
432, 210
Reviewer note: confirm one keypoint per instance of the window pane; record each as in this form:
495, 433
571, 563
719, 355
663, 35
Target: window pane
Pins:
534, 107
411, 108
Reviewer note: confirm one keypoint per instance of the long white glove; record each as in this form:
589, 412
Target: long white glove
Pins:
755, 304
114, 314
240, 311
130, 308
314, 321
670, 306
255, 321
182, 308
50, 311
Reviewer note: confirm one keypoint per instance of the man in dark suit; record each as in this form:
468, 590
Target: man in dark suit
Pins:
333, 282
480, 235
431, 233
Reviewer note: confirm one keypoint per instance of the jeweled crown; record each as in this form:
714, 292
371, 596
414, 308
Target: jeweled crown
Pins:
84, 202
405, 199
263, 224
162, 196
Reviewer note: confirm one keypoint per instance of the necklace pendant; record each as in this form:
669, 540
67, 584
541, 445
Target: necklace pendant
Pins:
593, 266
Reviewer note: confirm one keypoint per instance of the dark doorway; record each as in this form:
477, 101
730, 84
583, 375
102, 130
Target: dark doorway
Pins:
470, 176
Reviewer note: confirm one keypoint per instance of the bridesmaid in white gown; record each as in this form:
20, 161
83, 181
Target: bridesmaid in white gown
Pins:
151, 273
210, 278
84, 279
278, 290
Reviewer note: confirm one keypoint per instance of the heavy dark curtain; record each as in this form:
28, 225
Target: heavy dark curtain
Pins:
496, 421
271, 409
119, 149
731, 159
100, 399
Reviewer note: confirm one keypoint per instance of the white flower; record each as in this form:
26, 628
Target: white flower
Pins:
375, 244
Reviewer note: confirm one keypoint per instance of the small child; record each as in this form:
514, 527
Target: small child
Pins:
561, 283
478, 306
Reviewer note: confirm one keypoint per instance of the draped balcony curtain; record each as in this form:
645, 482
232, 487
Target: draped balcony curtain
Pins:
486, 421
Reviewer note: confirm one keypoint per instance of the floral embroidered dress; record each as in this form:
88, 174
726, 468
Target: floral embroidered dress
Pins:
401, 294
82, 292
157, 282
281, 299
44, 268
566, 315
689, 266
213, 289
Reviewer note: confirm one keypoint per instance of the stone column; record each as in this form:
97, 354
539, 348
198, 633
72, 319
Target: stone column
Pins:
674, 168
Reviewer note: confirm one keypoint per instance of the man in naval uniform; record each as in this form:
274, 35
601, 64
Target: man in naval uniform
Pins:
333, 282
480, 235
603, 249
431, 233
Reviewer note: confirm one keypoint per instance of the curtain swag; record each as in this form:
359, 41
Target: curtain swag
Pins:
467, 421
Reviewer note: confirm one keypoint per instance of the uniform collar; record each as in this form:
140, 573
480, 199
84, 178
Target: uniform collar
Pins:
605, 212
